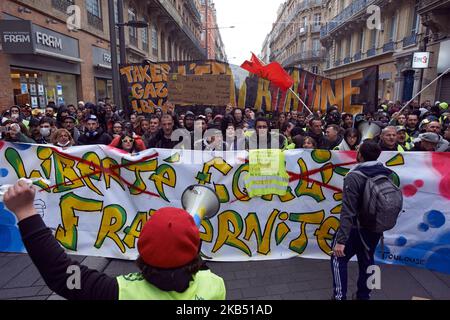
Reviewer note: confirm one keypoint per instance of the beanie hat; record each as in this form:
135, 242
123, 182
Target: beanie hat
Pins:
170, 239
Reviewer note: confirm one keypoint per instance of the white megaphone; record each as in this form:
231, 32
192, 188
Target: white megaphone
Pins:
369, 130
201, 202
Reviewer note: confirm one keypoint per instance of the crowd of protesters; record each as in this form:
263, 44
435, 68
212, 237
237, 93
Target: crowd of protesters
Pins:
414, 128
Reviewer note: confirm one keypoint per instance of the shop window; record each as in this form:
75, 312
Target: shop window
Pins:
39, 87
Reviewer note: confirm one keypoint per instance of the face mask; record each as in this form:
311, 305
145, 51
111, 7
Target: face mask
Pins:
63, 144
45, 132
92, 134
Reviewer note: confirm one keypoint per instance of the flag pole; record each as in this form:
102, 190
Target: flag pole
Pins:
290, 89
299, 99
407, 104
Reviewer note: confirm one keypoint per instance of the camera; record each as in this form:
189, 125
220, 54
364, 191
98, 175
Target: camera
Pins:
5, 129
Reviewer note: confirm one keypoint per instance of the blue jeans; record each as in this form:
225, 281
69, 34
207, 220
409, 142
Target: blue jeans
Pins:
365, 258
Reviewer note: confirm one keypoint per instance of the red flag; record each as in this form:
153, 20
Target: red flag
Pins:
273, 72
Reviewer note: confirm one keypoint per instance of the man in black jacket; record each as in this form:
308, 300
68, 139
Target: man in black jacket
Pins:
348, 239
94, 134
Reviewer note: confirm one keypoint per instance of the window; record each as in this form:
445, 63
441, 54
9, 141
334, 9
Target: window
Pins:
132, 31
305, 22
144, 39
316, 44
303, 47
317, 19
93, 7
338, 51
350, 46
393, 30
373, 39
154, 40
415, 22
315, 69
94, 14
361, 40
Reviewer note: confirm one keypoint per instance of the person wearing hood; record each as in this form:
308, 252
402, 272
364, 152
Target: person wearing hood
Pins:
351, 239
351, 140
189, 120
94, 134
159, 112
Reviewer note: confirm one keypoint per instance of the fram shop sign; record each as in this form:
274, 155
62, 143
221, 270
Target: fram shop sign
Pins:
24, 37
16, 36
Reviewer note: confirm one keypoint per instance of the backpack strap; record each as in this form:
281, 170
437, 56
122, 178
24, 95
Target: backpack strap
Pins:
358, 225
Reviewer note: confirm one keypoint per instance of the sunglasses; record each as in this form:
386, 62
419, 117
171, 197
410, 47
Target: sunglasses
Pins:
128, 140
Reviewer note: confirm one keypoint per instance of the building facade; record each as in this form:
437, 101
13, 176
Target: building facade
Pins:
265, 52
435, 15
295, 37
356, 38
44, 60
211, 37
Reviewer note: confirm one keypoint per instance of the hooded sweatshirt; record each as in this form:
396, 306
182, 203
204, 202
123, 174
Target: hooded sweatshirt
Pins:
352, 200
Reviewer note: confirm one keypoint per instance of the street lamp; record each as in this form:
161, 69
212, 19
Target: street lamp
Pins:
133, 24
113, 41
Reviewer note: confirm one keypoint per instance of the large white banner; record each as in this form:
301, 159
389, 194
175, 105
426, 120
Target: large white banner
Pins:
98, 198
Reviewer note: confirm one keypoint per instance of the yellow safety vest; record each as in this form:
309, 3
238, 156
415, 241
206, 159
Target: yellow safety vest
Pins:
267, 173
205, 286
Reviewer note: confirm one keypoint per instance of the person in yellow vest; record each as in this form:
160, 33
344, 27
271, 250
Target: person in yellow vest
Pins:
169, 261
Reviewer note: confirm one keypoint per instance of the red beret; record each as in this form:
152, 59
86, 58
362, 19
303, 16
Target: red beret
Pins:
170, 239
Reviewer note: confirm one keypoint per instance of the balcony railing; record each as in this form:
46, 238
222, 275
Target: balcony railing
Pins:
349, 13
300, 57
410, 40
347, 60
316, 28
290, 39
193, 8
95, 21
62, 5
313, 54
388, 47
357, 56
303, 30
337, 63
371, 52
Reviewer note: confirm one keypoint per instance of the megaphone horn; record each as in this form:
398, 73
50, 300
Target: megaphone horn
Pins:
369, 130
201, 202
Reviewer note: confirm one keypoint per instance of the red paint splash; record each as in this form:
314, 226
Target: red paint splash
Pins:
409, 190
419, 183
440, 162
